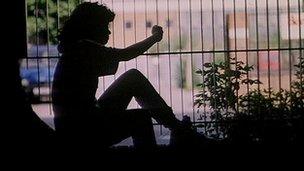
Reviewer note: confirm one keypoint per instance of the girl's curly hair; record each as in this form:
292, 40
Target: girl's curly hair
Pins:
83, 22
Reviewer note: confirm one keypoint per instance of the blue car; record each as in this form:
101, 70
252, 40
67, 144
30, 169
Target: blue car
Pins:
37, 72
37, 76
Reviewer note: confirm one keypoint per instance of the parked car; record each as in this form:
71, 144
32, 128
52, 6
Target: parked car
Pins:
37, 72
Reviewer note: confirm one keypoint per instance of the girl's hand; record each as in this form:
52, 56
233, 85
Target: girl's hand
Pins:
157, 32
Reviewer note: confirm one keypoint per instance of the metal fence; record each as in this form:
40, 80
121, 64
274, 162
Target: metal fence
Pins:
267, 34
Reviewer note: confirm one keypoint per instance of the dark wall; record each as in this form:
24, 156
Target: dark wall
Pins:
20, 122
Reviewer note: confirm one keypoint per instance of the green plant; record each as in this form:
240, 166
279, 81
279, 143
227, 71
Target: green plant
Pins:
221, 81
220, 85
256, 116
298, 85
45, 17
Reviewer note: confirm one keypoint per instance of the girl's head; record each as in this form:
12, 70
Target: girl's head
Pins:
87, 21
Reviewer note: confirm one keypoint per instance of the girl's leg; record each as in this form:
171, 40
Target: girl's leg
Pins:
135, 123
131, 84
134, 84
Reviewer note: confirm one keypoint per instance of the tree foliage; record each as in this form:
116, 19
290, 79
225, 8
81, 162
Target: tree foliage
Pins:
45, 18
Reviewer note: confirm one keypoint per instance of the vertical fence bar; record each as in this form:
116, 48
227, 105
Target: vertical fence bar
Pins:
226, 43
57, 20
214, 63
289, 49
26, 36
246, 47
169, 51
268, 48
224, 30
24, 24
213, 28
279, 46
37, 44
146, 34
191, 56
203, 61
225, 39
301, 48
180, 56
257, 48
236, 53
204, 115
158, 63
257, 41
157, 47
48, 53
135, 36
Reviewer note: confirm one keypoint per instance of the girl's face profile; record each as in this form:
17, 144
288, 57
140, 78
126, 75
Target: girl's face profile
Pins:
103, 34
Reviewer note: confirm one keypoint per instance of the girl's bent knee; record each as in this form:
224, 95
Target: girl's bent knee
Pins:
134, 72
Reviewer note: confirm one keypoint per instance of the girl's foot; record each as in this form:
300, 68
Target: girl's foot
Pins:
166, 117
184, 135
